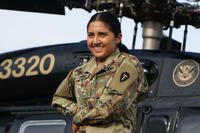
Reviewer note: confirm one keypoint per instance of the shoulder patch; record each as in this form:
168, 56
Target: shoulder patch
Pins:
124, 77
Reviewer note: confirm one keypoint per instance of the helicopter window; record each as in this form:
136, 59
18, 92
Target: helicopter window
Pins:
156, 124
43, 126
150, 70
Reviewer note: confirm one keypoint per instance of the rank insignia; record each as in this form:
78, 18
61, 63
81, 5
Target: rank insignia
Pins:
124, 76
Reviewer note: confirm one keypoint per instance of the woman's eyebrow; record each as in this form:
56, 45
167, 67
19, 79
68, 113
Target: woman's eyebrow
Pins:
100, 33
103, 33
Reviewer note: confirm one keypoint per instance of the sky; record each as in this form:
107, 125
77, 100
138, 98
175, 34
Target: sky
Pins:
20, 30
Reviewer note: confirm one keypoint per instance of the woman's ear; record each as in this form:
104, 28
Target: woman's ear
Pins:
118, 39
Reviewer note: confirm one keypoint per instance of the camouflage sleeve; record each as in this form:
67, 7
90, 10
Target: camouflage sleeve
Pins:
120, 92
64, 99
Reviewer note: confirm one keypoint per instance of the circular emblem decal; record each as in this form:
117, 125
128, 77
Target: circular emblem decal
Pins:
185, 73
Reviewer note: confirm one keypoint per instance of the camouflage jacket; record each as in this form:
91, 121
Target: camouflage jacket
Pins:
93, 95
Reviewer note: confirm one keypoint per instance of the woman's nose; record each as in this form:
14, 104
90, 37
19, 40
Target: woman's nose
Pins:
96, 40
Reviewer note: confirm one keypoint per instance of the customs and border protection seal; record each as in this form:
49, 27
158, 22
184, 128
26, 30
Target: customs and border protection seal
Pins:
186, 72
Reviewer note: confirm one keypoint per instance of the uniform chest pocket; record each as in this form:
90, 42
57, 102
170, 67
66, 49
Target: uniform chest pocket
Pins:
104, 77
83, 87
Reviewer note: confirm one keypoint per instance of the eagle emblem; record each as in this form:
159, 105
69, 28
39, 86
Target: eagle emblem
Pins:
185, 73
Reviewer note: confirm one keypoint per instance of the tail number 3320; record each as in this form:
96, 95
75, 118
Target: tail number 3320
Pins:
17, 69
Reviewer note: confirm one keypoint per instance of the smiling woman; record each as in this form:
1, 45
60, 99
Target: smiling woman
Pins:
100, 94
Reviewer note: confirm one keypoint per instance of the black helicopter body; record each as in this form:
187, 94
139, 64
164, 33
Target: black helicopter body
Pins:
29, 77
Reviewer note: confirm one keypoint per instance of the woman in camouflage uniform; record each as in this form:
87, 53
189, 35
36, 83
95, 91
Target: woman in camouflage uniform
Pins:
101, 95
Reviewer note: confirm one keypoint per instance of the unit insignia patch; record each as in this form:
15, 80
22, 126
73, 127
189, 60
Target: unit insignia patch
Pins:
124, 76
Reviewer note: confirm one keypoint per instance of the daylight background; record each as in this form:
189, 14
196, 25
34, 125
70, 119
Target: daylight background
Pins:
20, 30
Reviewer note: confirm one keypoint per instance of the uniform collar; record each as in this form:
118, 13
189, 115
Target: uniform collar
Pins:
92, 64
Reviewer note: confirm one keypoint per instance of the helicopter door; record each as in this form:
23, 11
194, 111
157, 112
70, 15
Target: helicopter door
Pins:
42, 126
159, 121
41, 123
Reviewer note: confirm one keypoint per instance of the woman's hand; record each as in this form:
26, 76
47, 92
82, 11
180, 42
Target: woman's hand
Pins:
75, 128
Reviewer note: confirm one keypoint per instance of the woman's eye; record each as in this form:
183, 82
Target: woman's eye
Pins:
103, 34
90, 35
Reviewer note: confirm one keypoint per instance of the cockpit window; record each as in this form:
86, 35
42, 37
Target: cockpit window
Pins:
43, 126
150, 70
156, 124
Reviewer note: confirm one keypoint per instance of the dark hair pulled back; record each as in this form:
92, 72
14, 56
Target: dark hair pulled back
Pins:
109, 19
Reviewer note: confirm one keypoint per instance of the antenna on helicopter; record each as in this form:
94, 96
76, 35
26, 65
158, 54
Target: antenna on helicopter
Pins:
185, 37
121, 6
171, 26
135, 34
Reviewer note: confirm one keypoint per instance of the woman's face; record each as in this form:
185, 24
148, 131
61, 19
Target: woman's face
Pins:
101, 41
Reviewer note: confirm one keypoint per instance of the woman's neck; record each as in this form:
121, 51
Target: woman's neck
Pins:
100, 62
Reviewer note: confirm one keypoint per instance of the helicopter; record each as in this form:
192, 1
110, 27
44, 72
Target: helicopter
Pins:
29, 77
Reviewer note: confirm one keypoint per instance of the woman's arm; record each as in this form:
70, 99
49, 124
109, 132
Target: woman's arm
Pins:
64, 99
